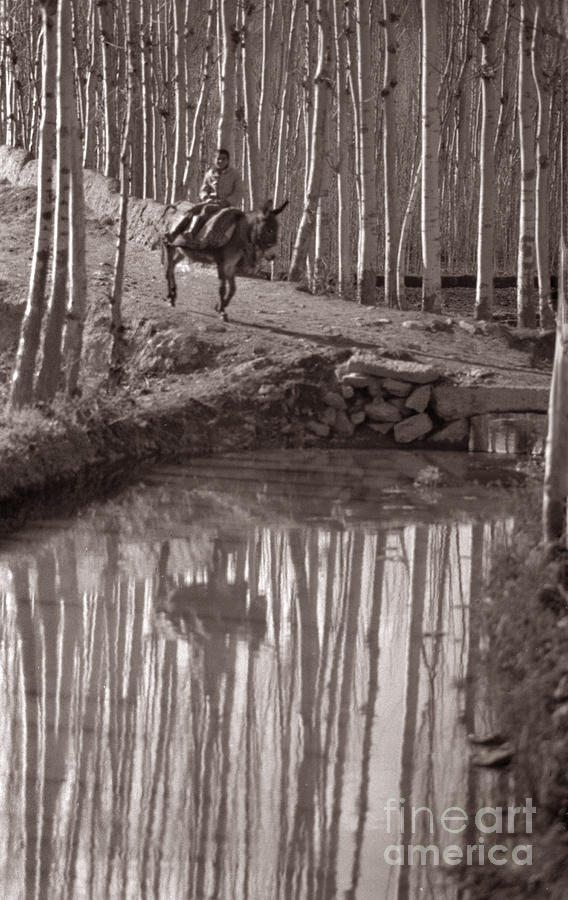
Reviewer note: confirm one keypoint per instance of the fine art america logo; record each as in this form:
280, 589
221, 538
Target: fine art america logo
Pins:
488, 821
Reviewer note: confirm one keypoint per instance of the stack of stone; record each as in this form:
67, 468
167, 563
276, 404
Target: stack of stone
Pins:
410, 401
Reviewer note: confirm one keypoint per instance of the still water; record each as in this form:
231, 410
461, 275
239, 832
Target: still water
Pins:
224, 682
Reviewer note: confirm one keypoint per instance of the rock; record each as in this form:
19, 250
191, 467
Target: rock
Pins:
414, 325
441, 324
419, 399
347, 391
381, 411
382, 427
457, 402
561, 691
343, 424
332, 398
374, 387
467, 326
413, 428
397, 388
454, 434
382, 367
329, 415
355, 380
318, 428
560, 716
358, 417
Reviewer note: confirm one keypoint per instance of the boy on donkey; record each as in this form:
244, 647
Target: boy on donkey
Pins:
222, 186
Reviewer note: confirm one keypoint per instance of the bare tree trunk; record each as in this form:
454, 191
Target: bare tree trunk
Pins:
149, 160
136, 131
73, 338
21, 391
252, 112
322, 235
192, 174
116, 325
322, 90
390, 154
49, 375
555, 491
555, 496
226, 126
542, 77
180, 88
486, 216
402, 241
106, 26
89, 128
526, 306
369, 224
430, 223
344, 265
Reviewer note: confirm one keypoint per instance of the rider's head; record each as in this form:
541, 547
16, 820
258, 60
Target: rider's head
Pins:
222, 158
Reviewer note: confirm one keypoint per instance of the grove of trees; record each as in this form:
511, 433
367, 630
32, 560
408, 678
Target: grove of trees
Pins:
334, 103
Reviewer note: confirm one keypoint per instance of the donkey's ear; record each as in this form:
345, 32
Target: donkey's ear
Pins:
279, 209
268, 206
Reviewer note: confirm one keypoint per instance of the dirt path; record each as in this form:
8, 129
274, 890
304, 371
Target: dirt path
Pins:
267, 319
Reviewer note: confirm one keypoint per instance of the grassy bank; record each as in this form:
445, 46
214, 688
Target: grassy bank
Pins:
524, 628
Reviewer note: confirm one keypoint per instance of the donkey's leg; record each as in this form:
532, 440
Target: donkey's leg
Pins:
173, 256
221, 273
229, 267
170, 254
220, 307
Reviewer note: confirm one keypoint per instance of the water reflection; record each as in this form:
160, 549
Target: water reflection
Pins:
214, 695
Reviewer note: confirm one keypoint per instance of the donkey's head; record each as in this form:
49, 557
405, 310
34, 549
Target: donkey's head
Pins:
264, 230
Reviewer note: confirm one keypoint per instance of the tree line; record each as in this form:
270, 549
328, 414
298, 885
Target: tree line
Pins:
342, 105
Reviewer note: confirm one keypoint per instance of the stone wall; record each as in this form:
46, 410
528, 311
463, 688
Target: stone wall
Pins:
412, 402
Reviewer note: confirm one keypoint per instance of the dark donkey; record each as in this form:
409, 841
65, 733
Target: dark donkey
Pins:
255, 235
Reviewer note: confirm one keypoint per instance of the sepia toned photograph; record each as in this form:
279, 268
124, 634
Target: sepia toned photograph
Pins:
283, 449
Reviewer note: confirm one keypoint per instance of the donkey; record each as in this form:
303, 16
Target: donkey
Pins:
254, 236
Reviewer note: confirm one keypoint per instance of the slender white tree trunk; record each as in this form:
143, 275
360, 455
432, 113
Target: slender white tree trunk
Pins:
369, 223
430, 219
192, 174
180, 88
49, 375
89, 130
252, 112
73, 337
486, 215
226, 126
322, 90
108, 38
542, 77
21, 390
390, 154
526, 305
402, 241
344, 263
118, 345
555, 493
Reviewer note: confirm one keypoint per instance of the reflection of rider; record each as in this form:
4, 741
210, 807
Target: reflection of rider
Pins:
221, 187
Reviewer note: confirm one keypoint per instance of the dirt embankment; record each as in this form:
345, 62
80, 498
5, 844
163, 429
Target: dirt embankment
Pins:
196, 385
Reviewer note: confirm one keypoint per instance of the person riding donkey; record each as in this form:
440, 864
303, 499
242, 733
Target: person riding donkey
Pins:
222, 187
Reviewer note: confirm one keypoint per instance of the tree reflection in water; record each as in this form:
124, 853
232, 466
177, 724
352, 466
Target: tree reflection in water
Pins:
221, 707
